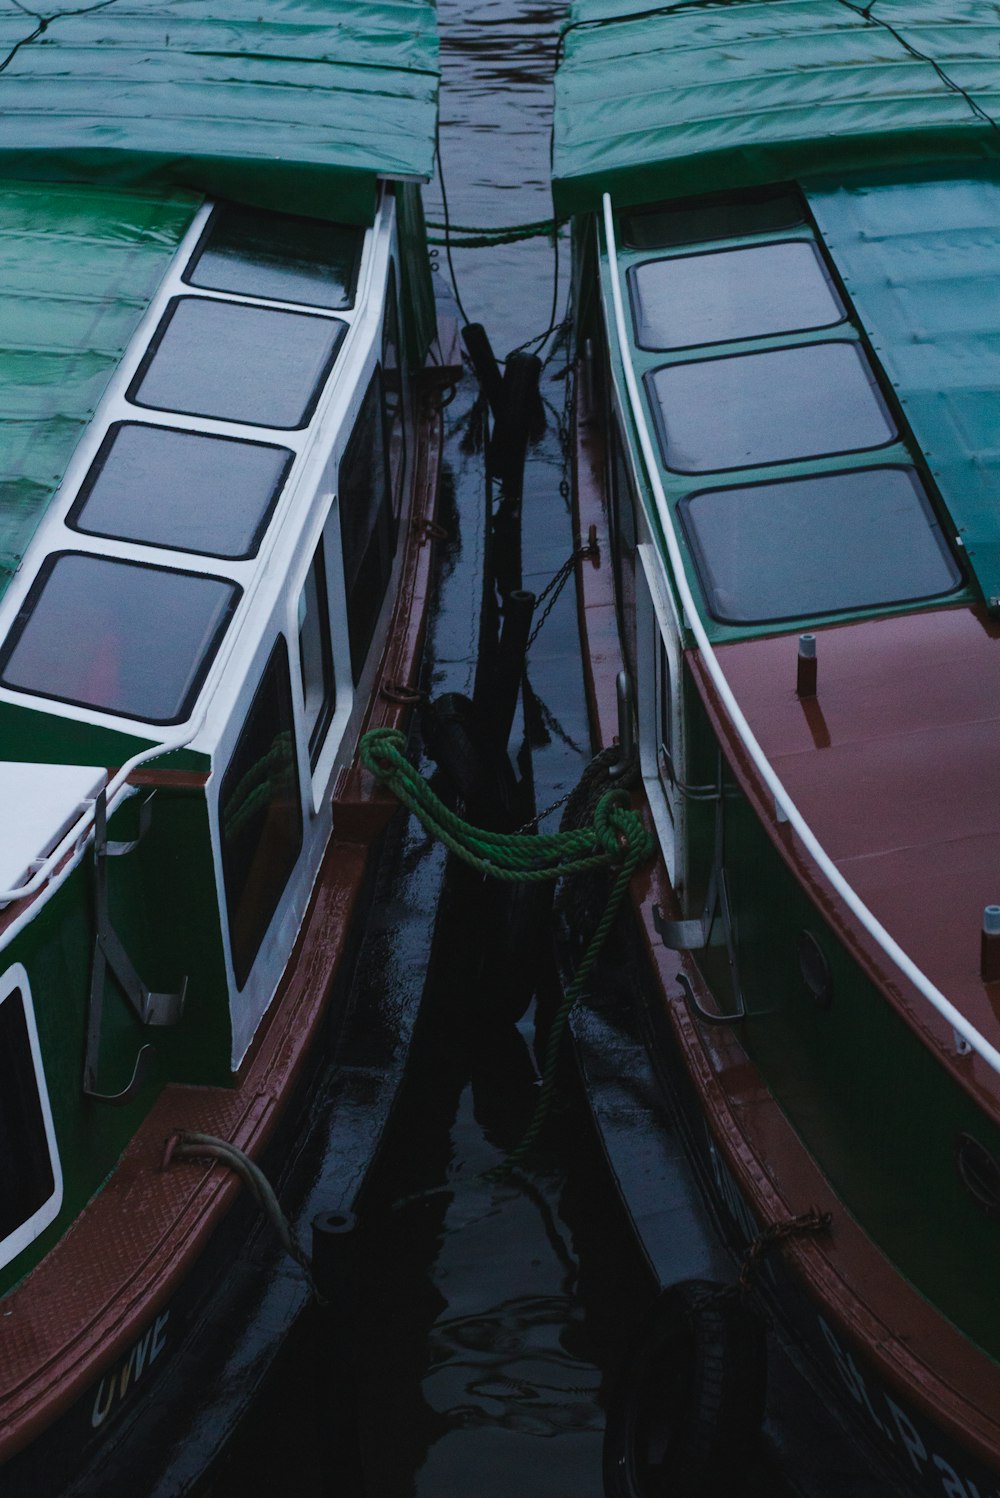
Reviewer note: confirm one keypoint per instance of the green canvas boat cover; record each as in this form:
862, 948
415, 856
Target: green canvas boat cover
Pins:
294, 105
921, 261
78, 267
656, 102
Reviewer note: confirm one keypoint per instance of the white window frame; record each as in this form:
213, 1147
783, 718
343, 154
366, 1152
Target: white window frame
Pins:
16, 979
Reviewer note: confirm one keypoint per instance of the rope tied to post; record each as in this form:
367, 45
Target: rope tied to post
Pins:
616, 838
616, 835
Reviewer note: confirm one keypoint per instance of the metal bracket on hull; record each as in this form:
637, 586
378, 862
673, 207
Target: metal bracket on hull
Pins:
109, 952
695, 935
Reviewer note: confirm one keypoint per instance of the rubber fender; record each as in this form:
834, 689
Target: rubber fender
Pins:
685, 1411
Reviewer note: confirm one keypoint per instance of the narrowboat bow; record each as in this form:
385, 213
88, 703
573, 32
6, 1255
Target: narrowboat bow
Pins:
220, 387
785, 222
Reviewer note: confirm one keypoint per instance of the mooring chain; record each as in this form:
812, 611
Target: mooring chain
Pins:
555, 585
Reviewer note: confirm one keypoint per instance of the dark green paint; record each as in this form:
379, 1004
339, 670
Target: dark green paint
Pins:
164, 906
27, 734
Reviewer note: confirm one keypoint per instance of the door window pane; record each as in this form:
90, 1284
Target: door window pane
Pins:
283, 259
732, 294
26, 1179
118, 636
238, 363
366, 523
260, 814
184, 490
392, 377
316, 656
817, 545
772, 407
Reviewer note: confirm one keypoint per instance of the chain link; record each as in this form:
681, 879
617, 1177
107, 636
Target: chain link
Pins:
555, 585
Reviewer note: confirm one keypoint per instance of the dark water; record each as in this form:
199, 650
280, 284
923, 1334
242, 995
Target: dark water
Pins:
490, 1314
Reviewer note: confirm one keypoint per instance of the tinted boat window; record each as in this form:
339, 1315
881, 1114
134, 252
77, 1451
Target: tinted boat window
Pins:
817, 545
252, 253
26, 1180
260, 814
392, 375
366, 524
770, 407
184, 490
731, 294
238, 363
118, 636
689, 223
319, 689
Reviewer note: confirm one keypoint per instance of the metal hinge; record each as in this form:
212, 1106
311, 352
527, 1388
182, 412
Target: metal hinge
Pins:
152, 1008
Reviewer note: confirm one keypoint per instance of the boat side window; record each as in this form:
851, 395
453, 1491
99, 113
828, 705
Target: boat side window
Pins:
319, 688
184, 490
123, 637
623, 536
255, 365
392, 374
726, 295
260, 813
27, 1180
701, 219
278, 257
367, 527
863, 538
664, 726
747, 410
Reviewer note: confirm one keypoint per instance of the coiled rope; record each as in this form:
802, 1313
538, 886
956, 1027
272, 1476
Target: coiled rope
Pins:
615, 838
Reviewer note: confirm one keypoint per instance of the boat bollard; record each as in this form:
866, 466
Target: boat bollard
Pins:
989, 945
519, 606
335, 1263
626, 729
805, 677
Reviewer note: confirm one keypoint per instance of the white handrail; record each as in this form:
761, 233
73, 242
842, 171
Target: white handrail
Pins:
786, 806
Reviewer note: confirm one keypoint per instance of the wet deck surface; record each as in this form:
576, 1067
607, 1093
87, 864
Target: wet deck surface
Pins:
893, 764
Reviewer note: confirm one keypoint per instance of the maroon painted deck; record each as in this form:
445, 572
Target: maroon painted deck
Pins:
895, 765
127, 1254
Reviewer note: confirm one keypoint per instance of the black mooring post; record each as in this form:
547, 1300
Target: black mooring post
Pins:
484, 363
515, 420
335, 1264
519, 606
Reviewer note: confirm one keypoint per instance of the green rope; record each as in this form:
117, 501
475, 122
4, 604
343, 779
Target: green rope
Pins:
476, 237
534, 226
617, 837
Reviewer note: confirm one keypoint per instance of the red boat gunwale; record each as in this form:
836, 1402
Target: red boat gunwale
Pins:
906, 1342
128, 1252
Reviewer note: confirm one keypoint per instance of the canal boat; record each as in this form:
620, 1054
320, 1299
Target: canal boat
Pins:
785, 224
220, 392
